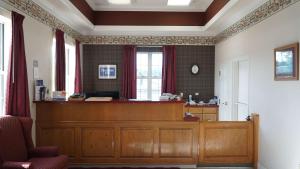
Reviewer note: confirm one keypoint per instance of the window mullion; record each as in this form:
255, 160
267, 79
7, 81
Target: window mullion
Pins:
149, 75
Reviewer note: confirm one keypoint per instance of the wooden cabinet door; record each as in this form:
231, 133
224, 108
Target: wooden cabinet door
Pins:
210, 110
195, 109
137, 142
97, 142
62, 137
176, 142
209, 117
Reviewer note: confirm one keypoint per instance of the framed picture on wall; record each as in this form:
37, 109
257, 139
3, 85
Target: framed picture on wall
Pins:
286, 64
107, 71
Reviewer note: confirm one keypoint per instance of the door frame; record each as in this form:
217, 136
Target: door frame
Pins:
235, 85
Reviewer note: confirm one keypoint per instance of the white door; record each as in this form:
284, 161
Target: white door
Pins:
242, 90
225, 79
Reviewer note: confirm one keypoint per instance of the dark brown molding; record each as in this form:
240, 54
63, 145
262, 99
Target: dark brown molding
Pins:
214, 8
85, 9
149, 18
146, 18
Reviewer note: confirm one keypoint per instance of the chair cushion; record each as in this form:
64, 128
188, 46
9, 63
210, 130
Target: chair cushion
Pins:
13, 145
57, 162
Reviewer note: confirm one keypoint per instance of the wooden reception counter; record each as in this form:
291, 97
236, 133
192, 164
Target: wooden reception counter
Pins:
141, 132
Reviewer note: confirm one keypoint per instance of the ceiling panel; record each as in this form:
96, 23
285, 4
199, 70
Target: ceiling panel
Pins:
149, 5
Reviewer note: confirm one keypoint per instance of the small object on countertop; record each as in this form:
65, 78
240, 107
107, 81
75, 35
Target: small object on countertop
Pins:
212, 101
248, 118
192, 103
189, 117
190, 98
76, 97
95, 99
59, 95
201, 103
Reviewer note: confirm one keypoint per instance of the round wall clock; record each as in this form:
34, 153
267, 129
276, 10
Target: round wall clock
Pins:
195, 69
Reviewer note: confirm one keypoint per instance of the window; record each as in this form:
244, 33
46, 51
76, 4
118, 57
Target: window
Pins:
70, 59
149, 73
70, 69
5, 32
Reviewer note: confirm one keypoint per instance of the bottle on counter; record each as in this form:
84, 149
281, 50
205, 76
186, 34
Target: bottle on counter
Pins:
190, 98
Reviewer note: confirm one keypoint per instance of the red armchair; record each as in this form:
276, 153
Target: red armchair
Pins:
18, 152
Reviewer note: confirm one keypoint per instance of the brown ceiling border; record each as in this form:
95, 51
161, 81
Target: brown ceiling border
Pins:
146, 18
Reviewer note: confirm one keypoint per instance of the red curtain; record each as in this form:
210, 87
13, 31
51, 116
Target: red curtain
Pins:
129, 73
60, 61
169, 70
78, 83
17, 103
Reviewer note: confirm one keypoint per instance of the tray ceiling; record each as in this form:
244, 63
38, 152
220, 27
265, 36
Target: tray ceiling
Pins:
232, 12
149, 5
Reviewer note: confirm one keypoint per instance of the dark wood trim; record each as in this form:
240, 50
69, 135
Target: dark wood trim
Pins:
146, 18
214, 8
85, 9
149, 18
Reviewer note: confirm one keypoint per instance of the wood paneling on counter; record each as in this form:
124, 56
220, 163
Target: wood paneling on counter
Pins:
226, 142
109, 111
142, 133
133, 142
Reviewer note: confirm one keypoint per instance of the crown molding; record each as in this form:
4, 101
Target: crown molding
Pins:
35, 11
261, 13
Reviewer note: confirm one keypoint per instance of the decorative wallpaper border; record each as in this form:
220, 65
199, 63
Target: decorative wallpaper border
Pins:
150, 40
35, 11
261, 13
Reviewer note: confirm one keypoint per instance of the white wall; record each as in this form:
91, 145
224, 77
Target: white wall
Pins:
277, 102
38, 46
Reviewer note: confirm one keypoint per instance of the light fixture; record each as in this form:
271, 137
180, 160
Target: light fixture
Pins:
179, 2
119, 2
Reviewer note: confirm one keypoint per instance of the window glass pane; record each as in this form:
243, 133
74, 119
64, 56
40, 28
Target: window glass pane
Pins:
142, 94
155, 94
70, 69
156, 64
156, 84
142, 64
1, 47
2, 106
2, 85
142, 84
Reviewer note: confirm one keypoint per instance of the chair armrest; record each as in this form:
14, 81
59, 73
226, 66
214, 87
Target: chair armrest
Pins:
16, 165
47, 151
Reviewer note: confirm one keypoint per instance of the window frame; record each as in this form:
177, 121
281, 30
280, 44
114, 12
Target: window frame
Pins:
149, 76
70, 52
5, 43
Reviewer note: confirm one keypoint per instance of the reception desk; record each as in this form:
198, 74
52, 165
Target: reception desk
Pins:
141, 132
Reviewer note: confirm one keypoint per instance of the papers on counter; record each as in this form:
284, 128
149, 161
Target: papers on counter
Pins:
95, 99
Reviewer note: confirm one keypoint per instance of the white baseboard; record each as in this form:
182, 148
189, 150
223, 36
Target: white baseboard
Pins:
261, 166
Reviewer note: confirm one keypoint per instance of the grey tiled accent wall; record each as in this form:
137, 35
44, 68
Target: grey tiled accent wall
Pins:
203, 83
93, 55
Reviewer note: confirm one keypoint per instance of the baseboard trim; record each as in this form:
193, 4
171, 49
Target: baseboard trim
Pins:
134, 166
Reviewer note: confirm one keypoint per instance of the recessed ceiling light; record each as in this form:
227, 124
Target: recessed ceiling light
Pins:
120, 2
179, 2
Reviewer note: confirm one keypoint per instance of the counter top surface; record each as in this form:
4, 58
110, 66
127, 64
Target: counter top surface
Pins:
202, 105
126, 101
